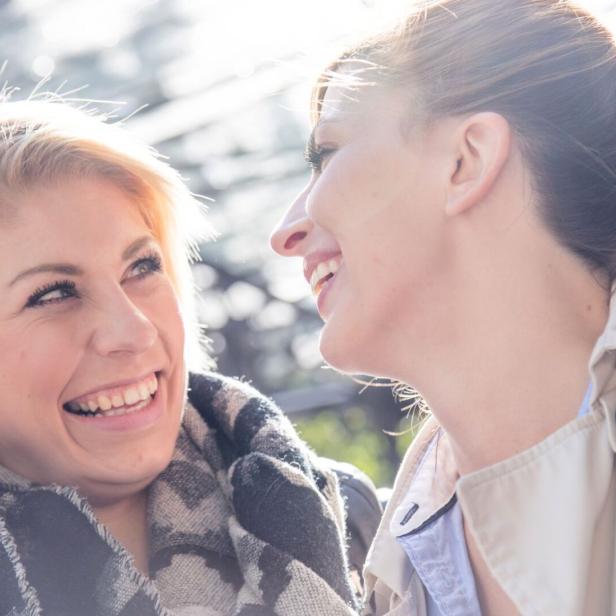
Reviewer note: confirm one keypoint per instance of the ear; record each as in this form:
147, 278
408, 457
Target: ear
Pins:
482, 147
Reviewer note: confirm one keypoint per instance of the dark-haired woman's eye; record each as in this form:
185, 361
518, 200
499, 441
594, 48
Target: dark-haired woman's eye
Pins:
52, 293
316, 156
144, 266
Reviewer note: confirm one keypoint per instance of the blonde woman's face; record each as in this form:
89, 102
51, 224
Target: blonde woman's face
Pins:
369, 226
92, 378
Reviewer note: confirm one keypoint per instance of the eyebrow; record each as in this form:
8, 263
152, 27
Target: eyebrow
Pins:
57, 268
134, 247
68, 269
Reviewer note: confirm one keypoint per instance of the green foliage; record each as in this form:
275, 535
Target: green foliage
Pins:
407, 430
350, 436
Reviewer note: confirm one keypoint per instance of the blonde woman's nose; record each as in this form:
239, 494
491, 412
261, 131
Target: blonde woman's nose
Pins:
122, 327
288, 237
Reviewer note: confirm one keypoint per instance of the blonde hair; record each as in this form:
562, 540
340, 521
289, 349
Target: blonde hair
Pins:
43, 141
547, 66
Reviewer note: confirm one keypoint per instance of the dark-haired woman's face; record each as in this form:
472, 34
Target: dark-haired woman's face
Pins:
92, 377
370, 228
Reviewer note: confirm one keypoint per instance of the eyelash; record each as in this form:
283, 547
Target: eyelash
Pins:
154, 262
315, 156
68, 287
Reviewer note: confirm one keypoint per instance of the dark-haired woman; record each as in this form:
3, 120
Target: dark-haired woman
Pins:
459, 235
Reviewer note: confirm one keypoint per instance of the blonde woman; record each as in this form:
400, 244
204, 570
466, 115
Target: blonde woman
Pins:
126, 487
459, 235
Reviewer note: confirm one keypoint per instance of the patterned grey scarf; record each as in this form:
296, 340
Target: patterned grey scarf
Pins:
242, 522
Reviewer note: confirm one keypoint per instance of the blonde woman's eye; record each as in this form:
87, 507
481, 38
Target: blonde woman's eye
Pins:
145, 266
53, 293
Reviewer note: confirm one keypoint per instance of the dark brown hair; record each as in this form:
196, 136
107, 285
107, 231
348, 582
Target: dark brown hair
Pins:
548, 67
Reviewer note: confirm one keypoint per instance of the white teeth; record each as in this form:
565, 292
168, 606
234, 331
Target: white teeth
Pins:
321, 271
131, 396
117, 401
134, 397
125, 410
144, 393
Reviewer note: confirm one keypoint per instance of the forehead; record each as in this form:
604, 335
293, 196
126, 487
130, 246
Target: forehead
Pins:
360, 104
74, 216
69, 198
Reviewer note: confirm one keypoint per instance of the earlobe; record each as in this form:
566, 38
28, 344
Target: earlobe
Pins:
482, 147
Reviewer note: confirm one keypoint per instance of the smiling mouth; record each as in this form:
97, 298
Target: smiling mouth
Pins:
322, 274
115, 402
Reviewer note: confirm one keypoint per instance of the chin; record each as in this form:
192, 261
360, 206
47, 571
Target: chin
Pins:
130, 473
349, 353
106, 489
339, 354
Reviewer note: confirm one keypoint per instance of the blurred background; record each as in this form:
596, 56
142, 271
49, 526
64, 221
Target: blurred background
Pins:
221, 88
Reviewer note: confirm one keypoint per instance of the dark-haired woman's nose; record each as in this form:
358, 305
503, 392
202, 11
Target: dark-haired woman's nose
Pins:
289, 235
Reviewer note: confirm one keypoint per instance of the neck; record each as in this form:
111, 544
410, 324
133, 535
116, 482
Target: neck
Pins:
518, 369
126, 519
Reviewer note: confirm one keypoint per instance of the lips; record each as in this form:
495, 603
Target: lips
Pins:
119, 400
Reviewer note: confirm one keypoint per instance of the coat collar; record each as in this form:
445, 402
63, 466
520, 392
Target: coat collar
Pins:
430, 493
534, 516
387, 570
603, 372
